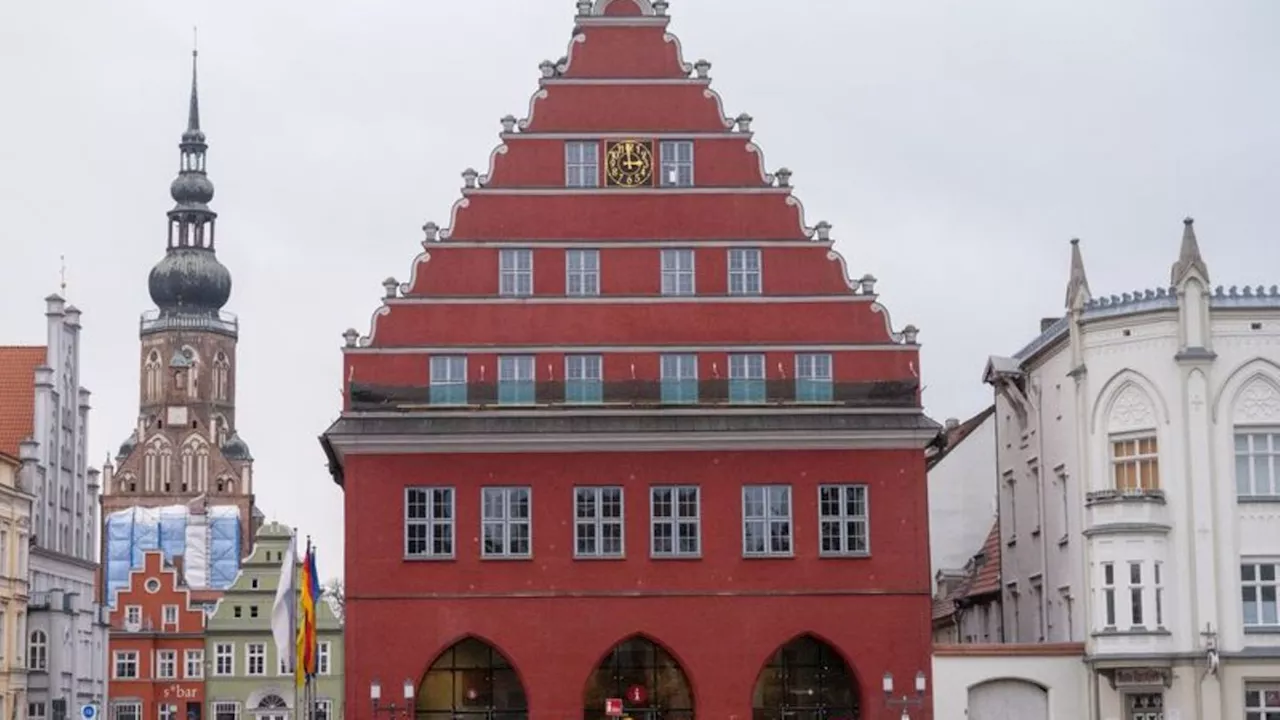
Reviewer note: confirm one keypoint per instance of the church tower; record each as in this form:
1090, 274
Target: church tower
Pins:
184, 475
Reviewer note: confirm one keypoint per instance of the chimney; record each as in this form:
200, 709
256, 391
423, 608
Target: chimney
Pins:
180, 568
951, 424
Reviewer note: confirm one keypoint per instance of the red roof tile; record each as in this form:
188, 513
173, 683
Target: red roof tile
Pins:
957, 435
18, 394
987, 578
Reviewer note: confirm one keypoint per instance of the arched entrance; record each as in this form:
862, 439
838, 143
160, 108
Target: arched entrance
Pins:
641, 673
471, 681
806, 679
1008, 698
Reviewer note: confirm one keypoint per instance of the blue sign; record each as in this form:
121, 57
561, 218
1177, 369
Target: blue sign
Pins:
88, 712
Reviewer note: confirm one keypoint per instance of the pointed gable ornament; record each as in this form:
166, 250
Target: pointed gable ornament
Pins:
1189, 258
1078, 284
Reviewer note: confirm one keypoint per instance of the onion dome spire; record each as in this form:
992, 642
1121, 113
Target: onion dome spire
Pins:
189, 279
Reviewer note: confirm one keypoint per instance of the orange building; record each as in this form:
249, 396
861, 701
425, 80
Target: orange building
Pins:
157, 644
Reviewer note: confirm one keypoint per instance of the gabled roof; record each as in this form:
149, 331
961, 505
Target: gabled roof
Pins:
18, 394
986, 578
957, 435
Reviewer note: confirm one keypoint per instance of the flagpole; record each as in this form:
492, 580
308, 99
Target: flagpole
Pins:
293, 622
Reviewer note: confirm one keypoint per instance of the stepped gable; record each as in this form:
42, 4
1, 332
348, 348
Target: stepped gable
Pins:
625, 77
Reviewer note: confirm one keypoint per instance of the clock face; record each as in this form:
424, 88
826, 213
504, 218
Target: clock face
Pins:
629, 163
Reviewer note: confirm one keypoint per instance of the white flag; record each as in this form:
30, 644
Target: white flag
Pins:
282, 627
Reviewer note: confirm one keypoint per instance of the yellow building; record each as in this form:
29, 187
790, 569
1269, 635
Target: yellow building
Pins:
15, 528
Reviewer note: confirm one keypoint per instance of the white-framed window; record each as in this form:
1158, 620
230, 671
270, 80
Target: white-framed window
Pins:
746, 378
323, 710
133, 617
126, 664
224, 659
677, 272
169, 615
744, 271
598, 522
1109, 595
126, 711
675, 521
1262, 701
36, 710
38, 651
766, 520
677, 163
1258, 588
516, 274
1135, 463
449, 380
226, 711
516, 381
582, 273
166, 664
1137, 617
813, 377
843, 520
194, 661
255, 659
582, 163
506, 522
323, 653
428, 522
167, 711
584, 379
679, 378
1257, 463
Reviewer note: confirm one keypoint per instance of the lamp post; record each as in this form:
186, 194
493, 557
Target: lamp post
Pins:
392, 710
905, 701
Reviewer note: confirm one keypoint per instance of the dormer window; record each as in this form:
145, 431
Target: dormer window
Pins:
581, 164
677, 163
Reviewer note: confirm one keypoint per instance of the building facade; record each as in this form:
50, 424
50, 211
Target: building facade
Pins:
15, 526
1140, 495
49, 416
246, 676
157, 646
182, 481
630, 431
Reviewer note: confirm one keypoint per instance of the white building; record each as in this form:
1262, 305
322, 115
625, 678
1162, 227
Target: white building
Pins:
1138, 456
66, 636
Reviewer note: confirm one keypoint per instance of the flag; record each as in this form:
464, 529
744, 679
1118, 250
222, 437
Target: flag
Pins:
308, 598
282, 611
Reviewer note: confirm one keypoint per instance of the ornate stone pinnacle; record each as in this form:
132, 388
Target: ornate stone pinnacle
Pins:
909, 334
660, 7
584, 7
784, 177
867, 284
391, 286
824, 230
432, 231
702, 67
548, 68
469, 177
351, 336
509, 124
744, 123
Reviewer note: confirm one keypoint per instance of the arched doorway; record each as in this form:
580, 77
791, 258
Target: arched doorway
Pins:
641, 673
1008, 698
471, 681
806, 679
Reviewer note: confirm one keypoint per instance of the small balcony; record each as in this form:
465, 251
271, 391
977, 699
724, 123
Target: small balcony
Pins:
153, 321
1130, 510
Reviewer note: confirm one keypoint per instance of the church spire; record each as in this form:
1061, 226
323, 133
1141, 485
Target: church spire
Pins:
1078, 284
193, 111
1189, 258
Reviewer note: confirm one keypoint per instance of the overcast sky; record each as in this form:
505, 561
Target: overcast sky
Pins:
955, 146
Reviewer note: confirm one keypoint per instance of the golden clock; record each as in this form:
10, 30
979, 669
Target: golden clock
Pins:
628, 163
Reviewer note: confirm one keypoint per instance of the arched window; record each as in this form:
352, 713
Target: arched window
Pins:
38, 655
272, 702
471, 680
806, 678
152, 377
221, 376
202, 468
643, 674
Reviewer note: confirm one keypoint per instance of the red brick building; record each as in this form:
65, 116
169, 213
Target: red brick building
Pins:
156, 659
630, 431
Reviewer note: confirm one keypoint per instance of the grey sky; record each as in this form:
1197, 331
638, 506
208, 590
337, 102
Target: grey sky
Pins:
955, 146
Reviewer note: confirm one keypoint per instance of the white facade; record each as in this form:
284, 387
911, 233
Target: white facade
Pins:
962, 494
1139, 462
62, 613
994, 682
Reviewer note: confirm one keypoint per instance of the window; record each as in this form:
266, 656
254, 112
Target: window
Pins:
766, 520
584, 379
255, 659
253, 611
581, 164
506, 522
1159, 588
746, 378
323, 710
582, 273
813, 377
167, 711
35, 711
597, 529
237, 611
842, 519
677, 163
1262, 702
516, 276
1135, 464
126, 711
133, 617
1033, 474
1065, 503
677, 272
224, 659
322, 658
4, 637
195, 664
1258, 464
1037, 596
449, 380
1011, 488
428, 522
38, 652
1108, 595
166, 664
675, 521
1258, 588
515, 380
226, 711
680, 379
744, 272
4, 553
126, 664
1145, 706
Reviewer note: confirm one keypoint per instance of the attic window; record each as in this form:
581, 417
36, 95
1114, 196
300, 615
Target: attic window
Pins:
153, 585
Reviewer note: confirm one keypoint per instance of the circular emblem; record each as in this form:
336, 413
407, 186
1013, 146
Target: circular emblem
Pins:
636, 695
629, 163
88, 712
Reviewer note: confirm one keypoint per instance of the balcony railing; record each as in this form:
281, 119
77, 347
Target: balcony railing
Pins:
221, 322
636, 394
1134, 509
